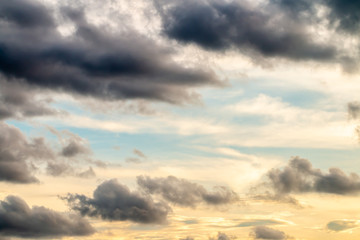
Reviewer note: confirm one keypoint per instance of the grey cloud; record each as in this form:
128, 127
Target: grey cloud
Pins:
263, 232
299, 176
343, 14
354, 110
342, 225
26, 13
74, 148
18, 219
92, 61
218, 26
185, 193
347, 13
15, 153
59, 169
115, 202
62, 169
18, 101
87, 174
72, 144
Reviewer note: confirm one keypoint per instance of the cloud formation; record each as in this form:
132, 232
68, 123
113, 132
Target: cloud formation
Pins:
18, 219
262, 232
217, 26
17, 101
16, 152
92, 61
115, 202
185, 193
299, 176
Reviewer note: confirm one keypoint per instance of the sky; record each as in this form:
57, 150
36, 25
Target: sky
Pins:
179, 119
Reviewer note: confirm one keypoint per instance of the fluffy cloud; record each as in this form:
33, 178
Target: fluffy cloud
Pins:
114, 201
299, 176
185, 193
262, 232
18, 219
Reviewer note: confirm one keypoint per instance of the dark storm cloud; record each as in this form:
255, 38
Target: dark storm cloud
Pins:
342, 225
346, 13
18, 219
92, 61
115, 202
26, 13
299, 176
263, 232
15, 153
219, 25
343, 14
185, 193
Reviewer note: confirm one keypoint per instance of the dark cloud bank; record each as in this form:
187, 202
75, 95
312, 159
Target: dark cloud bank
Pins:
279, 28
92, 61
18, 219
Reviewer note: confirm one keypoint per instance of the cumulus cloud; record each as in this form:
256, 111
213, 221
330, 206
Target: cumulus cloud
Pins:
262, 232
185, 193
16, 152
299, 176
115, 202
92, 61
18, 219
